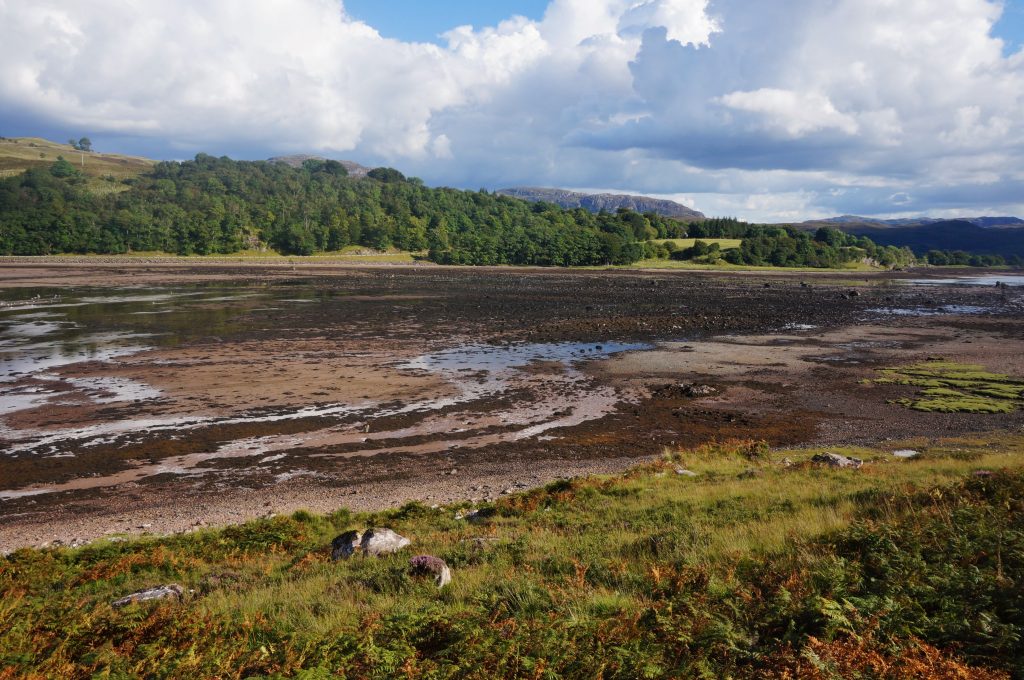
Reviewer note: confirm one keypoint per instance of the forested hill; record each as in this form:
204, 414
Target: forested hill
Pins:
949, 235
217, 205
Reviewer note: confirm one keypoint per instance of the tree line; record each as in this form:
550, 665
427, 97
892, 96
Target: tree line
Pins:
220, 206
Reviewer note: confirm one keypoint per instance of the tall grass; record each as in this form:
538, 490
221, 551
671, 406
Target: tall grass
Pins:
750, 569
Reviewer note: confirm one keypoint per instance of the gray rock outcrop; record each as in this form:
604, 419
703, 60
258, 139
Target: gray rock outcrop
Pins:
834, 460
170, 591
378, 542
598, 202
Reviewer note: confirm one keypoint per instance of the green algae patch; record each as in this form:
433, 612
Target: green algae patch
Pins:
949, 387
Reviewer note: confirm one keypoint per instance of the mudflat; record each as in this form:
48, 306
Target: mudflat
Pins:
158, 396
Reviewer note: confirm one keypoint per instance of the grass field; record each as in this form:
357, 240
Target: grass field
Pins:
683, 243
18, 154
761, 565
725, 266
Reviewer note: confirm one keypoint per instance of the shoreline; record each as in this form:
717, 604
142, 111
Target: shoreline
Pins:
797, 387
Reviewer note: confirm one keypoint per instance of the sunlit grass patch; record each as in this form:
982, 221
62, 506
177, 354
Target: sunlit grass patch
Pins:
949, 387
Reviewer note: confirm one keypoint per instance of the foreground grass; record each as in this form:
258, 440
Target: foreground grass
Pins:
753, 568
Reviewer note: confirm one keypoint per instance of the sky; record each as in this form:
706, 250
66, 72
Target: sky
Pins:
775, 110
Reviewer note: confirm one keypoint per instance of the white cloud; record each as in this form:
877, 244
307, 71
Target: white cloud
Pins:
798, 113
765, 108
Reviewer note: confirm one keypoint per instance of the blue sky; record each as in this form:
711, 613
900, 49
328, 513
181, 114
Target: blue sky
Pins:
773, 110
426, 20
1011, 26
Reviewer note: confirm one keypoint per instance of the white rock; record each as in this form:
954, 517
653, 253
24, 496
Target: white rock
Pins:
377, 542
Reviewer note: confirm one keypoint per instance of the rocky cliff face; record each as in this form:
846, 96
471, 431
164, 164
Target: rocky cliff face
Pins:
296, 160
598, 202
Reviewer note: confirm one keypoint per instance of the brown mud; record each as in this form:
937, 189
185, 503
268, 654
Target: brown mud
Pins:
284, 387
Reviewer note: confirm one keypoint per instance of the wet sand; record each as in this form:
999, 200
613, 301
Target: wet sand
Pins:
205, 395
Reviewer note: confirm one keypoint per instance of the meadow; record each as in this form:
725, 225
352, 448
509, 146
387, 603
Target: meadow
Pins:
729, 560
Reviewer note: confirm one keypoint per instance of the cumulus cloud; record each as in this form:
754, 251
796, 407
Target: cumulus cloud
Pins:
765, 110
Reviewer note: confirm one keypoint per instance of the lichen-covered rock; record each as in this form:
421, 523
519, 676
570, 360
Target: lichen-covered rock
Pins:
428, 565
696, 391
377, 542
344, 546
837, 461
159, 593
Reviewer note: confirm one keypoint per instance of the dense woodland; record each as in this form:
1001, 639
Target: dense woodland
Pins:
216, 205
220, 206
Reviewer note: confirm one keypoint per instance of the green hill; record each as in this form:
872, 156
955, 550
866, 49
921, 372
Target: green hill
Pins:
19, 154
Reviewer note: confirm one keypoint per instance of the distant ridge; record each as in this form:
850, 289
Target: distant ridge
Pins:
945, 235
296, 160
855, 221
598, 202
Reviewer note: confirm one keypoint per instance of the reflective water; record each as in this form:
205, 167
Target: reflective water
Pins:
930, 311
44, 334
1014, 280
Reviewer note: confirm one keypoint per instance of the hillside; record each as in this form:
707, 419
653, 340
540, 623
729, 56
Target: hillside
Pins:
947, 235
297, 159
855, 221
18, 154
608, 202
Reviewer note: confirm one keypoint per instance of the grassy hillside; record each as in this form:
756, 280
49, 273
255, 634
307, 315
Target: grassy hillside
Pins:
18, 154
759, 564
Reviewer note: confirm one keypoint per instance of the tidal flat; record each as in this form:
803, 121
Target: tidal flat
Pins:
155, 397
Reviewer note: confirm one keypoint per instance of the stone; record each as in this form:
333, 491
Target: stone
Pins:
344, 546
685, 473
378, 542
694, 390
428, 565
480, 515
172, 590
787, 463
836, 461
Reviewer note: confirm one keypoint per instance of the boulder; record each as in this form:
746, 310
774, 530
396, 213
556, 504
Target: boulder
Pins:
696, 390
344, 546
378, 542
428, 565
685, 473
836, 461
172, 590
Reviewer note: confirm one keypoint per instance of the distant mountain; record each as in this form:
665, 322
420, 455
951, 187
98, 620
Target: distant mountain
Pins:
963, 235
296, 160
598, 202
849, 221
